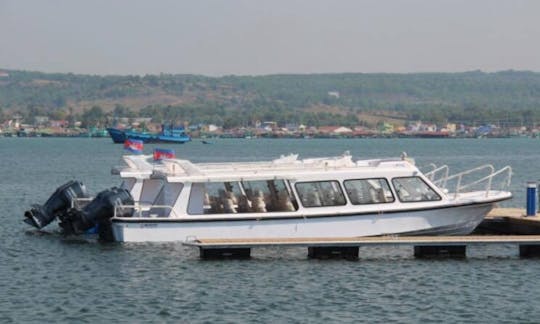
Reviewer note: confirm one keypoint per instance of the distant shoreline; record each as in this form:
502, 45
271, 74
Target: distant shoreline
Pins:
283, 137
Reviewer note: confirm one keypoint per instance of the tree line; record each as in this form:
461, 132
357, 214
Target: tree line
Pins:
471, 97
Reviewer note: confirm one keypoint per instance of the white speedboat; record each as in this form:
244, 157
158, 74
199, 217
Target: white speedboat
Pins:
292, 198
176, 200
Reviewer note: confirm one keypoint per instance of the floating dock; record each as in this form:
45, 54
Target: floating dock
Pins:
348, 248
509, 221
511, 226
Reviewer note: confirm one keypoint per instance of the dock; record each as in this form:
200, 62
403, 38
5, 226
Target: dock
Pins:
509, 221
348, 248
501, 226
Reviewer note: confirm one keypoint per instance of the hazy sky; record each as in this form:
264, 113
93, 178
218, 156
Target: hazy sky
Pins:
266, 37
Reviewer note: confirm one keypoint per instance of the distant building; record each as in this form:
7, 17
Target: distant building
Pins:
4, 74
334, 94
291, 127
386, 128
450, 127
213, 128
59, 123
335, 130
41, 120
269, 125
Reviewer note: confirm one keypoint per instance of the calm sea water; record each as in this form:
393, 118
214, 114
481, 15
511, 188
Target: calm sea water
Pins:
47, 278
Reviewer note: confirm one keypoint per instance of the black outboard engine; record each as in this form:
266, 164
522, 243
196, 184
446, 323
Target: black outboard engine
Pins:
98, 212
60, 201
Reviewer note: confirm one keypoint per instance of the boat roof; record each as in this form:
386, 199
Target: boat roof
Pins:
135, 166
285, 167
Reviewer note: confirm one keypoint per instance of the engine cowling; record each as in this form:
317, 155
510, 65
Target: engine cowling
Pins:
98, 212
60, 201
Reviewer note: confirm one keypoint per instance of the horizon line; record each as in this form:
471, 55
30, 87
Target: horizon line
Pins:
269, 74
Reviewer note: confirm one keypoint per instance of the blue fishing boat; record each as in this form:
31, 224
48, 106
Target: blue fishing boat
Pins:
168, 134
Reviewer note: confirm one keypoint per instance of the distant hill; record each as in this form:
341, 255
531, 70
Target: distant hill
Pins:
315, 98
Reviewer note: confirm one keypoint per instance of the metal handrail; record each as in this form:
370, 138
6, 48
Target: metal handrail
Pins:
433, 166
461, 174
443, 179
489, 179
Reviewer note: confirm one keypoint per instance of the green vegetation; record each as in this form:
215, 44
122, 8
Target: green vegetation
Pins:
510, 97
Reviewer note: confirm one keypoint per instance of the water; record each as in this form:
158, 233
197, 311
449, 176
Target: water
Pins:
47, 278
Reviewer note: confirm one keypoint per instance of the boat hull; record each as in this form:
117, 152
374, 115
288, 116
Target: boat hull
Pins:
449, 220
119, 136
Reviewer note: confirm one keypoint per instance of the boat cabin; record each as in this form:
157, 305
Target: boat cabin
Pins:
178, 188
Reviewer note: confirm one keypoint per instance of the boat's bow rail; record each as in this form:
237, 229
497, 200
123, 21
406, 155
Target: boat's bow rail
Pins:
482, 178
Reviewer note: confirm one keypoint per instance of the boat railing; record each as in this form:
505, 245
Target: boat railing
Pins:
147, 211
431, 166
439, 175
488, 179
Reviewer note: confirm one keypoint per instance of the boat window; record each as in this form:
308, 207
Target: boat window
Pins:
320, 193
214, 198
266, 196
128, 184
413, 189
166, 199
150, 190
368, 191
249, 197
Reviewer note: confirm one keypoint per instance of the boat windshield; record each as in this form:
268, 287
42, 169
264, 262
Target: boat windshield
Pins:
414, 189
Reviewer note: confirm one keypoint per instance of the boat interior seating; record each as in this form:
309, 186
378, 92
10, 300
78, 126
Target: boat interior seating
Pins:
263, 197
320, 194
366, 195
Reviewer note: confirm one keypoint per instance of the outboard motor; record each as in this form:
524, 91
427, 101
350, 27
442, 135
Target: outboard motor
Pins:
59, 202
98, 212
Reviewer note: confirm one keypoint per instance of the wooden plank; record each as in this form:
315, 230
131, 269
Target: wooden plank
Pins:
506, 212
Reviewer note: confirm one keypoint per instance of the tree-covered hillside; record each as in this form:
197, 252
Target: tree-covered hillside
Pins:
316, 99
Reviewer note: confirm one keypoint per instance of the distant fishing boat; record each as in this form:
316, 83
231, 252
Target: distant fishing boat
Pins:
168, 134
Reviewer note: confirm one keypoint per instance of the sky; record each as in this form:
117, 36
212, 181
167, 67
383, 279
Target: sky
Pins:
259, 37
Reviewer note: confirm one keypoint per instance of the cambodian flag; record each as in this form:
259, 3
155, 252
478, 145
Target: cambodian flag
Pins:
133, 145
160, 154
